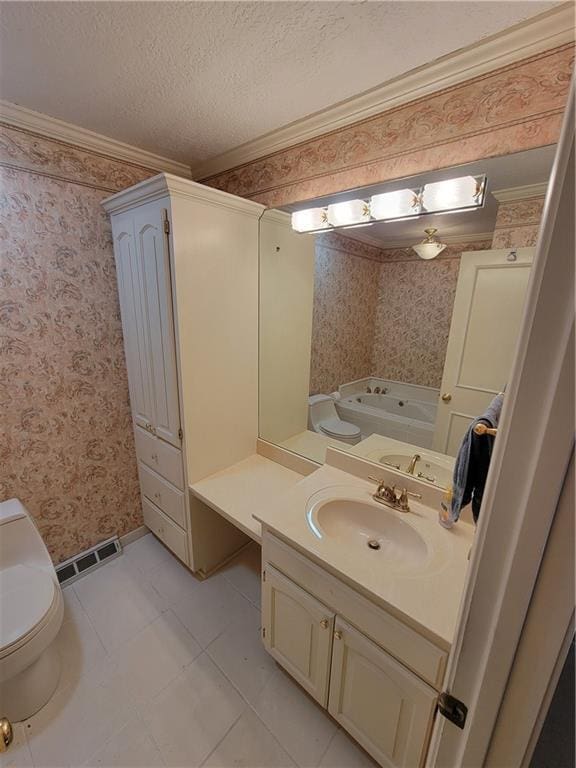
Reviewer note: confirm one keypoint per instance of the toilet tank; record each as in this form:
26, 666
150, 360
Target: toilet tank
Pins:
20, 540
321, 407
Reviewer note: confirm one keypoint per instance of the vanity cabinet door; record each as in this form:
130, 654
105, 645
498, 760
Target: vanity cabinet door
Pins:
386, 708
297, 632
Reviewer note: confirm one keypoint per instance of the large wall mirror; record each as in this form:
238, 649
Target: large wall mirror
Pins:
367, 346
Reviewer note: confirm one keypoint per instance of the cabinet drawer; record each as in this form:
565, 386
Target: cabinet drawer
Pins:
160, 456
167, 531
160, 492
405, 644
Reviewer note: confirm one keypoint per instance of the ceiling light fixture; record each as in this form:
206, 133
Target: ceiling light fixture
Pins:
430, 247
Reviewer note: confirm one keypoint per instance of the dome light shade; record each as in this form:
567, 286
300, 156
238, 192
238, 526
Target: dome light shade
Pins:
310, 220
350, 212
463, 192
394, 205
430, 247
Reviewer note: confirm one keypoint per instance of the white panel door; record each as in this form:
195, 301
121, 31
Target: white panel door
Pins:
154, 269
132, 309
386, 708
297, 632
488, 311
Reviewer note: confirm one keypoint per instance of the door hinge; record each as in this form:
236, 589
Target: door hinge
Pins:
452, 709
166, 224
263, 575
263, 631
180, 433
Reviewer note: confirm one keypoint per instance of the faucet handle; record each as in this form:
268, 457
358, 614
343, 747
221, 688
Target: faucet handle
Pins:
403, 499
411, 493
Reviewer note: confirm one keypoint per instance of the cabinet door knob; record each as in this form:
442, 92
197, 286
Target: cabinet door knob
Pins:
338, 634
324, 623
446, 397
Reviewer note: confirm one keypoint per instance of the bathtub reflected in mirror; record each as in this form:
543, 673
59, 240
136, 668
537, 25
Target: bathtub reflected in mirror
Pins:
367, 347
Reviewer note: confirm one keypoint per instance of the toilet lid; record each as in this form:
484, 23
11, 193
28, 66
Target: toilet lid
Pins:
339, 428
26, 595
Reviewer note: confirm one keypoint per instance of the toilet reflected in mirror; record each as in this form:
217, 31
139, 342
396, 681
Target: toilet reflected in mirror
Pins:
324, 419
387, 342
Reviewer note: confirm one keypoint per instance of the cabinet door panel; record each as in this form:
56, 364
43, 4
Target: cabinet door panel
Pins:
132, 308
386, 708
298, 633
154, 267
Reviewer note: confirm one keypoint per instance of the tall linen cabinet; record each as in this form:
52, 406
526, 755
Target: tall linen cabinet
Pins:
187, 268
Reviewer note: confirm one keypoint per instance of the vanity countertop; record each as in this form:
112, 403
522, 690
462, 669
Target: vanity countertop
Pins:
426, 597
253, 483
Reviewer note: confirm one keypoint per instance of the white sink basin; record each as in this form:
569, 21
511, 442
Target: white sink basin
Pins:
369, 526
430, 468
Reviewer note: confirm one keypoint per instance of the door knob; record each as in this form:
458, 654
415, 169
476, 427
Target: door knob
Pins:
338, 634
446, 397
324, 623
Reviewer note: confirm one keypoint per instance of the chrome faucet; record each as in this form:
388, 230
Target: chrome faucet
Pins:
390, 496
412, 465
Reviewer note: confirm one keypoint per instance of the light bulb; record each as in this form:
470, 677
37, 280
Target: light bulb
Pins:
309, 220
350, 212
394, 205
450, 194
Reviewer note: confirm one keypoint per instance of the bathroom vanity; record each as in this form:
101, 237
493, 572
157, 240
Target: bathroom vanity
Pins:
360, 601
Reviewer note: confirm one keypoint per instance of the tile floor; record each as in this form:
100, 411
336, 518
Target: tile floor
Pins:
161, 669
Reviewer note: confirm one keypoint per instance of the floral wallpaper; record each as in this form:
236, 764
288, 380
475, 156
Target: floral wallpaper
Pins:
513, 108
413, 315
381, 312
66, 443
345, 296
518, 223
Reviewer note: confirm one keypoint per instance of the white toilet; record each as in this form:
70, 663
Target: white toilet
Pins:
31, 612
323, 418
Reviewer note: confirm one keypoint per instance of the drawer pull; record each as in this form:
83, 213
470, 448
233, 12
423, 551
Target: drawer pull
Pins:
154, 457
338, 634
157, 496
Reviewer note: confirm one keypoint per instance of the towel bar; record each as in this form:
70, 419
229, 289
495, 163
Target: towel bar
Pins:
482, 429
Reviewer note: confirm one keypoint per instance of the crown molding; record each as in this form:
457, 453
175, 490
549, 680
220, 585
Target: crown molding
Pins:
512, 194
165, 184
541, 33
25, 119
278, 217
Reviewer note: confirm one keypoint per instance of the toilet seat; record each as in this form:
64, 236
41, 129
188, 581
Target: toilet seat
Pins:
27, 597
339, 429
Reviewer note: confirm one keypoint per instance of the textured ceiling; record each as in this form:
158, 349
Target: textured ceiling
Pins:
192, 80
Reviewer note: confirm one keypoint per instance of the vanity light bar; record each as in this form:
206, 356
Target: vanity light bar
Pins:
449, 196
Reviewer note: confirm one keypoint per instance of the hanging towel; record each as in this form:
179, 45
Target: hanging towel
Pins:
471, 467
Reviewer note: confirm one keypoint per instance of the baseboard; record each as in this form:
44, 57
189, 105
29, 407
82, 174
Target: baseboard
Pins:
131, 536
